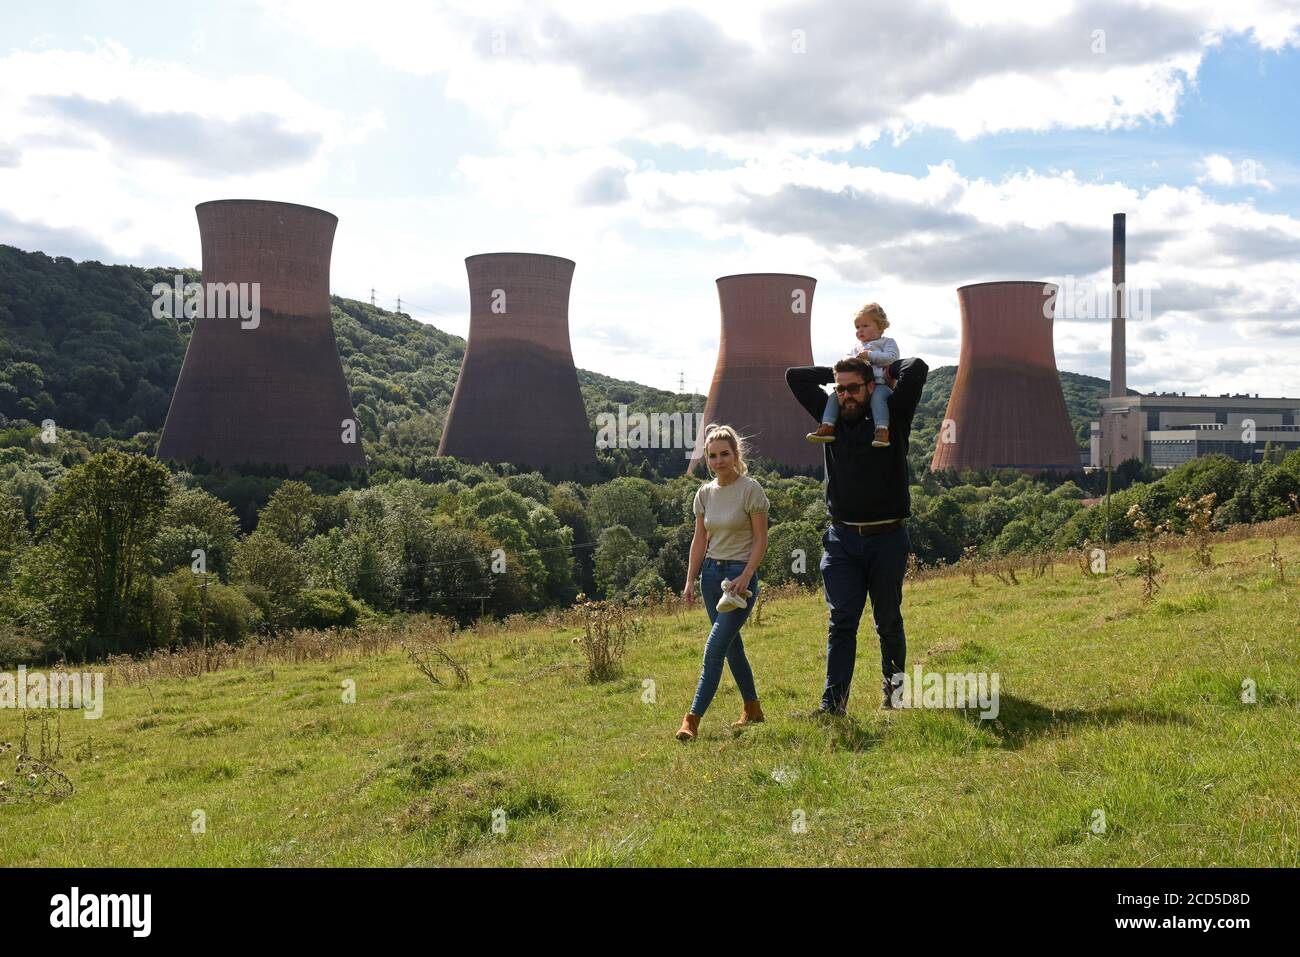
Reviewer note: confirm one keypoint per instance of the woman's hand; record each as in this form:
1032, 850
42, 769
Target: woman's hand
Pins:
688, 593
740, 582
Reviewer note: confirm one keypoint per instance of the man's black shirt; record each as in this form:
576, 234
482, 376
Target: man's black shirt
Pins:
865, 484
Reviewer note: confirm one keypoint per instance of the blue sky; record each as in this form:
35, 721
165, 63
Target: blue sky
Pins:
900, 153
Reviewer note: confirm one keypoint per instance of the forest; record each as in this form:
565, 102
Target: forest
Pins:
105, 550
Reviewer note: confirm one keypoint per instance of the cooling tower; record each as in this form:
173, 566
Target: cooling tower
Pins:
1006, 407
766, 328
517, 398
269, 390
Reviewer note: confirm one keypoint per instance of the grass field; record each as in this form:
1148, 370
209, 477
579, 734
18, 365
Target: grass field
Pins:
1107, 704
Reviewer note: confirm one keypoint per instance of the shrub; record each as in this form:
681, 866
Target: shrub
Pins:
327, 608
603, 639
16, 647
212, 610
793, 554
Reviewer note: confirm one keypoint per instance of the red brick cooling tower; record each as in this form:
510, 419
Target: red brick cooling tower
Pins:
1006, 407
272, 393
517, 398
766, 328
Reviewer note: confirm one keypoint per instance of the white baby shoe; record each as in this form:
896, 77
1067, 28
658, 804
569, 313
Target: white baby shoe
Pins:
728, 601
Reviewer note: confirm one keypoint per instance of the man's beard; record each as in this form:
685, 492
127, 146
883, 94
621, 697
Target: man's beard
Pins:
854, 413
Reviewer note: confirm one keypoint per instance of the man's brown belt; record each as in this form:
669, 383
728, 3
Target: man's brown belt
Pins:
871, 528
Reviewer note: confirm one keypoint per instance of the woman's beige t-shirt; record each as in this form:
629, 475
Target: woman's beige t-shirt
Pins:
726, 510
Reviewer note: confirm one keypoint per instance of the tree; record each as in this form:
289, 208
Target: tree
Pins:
100, 524
1132, 471
522, 561
461, 571
530, 485
794, 553
938, 529
992, 517
555, 545
367, 556
13, 535
624, 501
290, 514
195, 519
647, 584
566, 503
263, 561
620, 556
671, 561
32, 490
210, 610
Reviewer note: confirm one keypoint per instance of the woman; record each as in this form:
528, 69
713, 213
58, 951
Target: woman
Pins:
729, 544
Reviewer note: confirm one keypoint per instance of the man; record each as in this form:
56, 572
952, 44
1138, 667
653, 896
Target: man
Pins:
867, 499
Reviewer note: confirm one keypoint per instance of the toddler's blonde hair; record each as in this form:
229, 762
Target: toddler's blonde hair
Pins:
873, 309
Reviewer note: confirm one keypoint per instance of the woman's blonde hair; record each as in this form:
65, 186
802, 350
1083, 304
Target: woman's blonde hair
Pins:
873, 309
725, 433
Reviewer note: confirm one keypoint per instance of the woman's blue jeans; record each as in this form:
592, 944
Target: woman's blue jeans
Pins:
724, 638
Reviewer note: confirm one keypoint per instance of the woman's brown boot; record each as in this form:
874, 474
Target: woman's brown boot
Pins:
752, 714
690, 727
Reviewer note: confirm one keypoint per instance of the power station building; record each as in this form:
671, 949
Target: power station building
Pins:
766, 329
265, 386
517, 398
1007, 409
1165, 431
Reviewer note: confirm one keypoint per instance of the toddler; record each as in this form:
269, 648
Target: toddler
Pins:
880, 351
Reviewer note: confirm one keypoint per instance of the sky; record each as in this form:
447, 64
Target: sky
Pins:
892, 151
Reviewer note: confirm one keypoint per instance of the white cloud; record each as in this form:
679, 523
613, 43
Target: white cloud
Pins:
1221, 171
109, 145
725, 76
1212, 268
578, 90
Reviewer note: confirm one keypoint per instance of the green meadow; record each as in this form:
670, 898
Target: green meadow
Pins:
1122, 739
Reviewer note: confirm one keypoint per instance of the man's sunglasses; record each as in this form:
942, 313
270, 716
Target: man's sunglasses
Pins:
853, 388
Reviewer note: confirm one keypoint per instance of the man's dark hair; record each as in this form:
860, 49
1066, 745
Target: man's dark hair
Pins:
854, 364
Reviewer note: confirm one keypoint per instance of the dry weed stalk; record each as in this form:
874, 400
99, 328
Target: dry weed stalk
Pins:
34, 778
1005, 571
1275, 561
1148, 565
603, 639
1084, 556
423, 656
1041, 562
1200, 512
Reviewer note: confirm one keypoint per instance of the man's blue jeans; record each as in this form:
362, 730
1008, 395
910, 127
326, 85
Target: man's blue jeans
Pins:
724, 638
855, 567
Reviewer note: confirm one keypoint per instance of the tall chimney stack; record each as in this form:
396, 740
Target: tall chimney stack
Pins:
1118, 383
